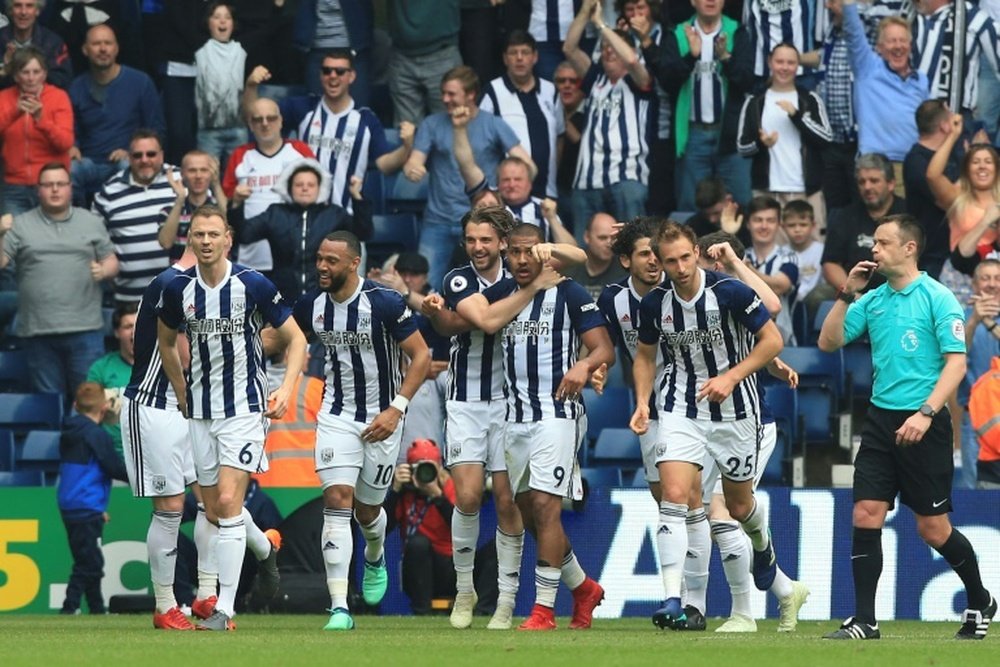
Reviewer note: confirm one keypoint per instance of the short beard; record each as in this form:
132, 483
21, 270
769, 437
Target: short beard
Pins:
336, 282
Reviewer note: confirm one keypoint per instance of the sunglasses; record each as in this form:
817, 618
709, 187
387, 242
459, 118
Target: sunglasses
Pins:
339, 71
149, 155
560, 80
258, 120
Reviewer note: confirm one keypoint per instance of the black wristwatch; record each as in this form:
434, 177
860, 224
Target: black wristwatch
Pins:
927, 411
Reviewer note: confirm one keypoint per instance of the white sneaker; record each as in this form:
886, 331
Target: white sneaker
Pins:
461, 612
502, 618
789, 606
738, 623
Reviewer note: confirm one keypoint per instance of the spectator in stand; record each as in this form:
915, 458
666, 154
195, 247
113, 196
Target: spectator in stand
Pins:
531, 107
602, 266
479, 39
775, 263
424, 49
73, 19
297, 225
799, 224
977, 189
422, 507
257, 166
131, 202
887, 89
36, 127
491, 139
110, 102
571, 97
88, 463
548, 23
184, 32
716, 211
61, 254
934, 126
772, 23
24, 31
322, 26
114, 370
220, 64
612, 172
850, 234
198, 184
344, 137
785, 130
709, 60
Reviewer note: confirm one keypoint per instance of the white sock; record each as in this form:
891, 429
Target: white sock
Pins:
229, 551
206, 535
464, 536
546, 585
734, 550
374, 534
161, 545
256, 539
782, 586
337, 544
755, 525
571, 572
509, 550
672, 544
699, 552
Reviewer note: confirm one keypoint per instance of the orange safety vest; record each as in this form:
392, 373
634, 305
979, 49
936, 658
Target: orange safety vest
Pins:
984, 412
291, 440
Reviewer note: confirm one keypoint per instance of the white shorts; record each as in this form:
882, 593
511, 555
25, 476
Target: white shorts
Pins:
343, 458
157, 450
541, 456
711, 480
733, 444
234, 442
475, 433
647, 445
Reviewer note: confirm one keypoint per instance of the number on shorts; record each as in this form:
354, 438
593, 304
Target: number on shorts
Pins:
559, 474
246, 456
383, 474
733, 463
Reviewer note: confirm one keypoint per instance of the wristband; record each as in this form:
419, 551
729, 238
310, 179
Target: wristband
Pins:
845, 297
400, 403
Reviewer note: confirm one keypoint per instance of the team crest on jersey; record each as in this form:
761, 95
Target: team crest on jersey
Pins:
458, 283
159, 483
714, 319
364, 322
326, 456
548, 309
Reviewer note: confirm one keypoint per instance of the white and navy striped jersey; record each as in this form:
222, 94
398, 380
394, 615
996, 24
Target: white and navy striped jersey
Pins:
344, 143
550, 19
223, 323
772, 22
781, 259
361, 339
540, 345
615, 141
951, 59
132, 214
475, 369
149, 384
704, 338
708, 93
531, 212
536, 118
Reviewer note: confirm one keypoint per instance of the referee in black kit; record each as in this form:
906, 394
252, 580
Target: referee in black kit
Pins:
917, 332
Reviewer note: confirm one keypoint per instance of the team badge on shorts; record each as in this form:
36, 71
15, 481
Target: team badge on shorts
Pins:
326, 456
661, 450
455, 451
159, 483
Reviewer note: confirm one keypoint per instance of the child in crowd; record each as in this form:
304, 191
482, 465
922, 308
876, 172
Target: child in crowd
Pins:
799, 222
220, 65
88, 463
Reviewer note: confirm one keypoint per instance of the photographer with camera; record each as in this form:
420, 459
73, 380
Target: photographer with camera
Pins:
421, 502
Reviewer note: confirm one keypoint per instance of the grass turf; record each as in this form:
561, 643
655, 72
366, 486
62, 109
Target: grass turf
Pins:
414, 642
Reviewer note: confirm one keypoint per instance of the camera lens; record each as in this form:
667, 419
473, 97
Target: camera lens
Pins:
425, 472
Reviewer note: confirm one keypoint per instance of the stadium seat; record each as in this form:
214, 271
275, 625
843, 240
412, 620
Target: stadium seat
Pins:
393, 233
782, 401
403, 195
612, 409
616, 446
858, 370
801, 326
821, 381
14, 371
821, 313
601, 477
24, 412
6, 450
22, 478
638, 479
373, 190
40, 451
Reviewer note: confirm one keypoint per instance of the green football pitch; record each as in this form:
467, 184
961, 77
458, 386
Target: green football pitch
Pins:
408, 641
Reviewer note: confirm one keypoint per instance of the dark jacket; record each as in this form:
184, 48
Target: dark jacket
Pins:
295, 232
56, 55
359, 18
673, 71
88, 464
184, 29
813, 126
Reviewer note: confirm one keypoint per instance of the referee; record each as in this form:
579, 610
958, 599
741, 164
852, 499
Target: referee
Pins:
917, 334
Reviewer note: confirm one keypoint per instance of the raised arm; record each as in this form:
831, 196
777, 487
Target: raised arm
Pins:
945, 192
831, 336
394, 160
571, 46
472, 173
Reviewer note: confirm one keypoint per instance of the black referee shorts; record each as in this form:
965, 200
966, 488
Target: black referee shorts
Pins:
921, 474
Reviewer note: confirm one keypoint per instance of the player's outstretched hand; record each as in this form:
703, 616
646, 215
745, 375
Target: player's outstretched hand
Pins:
640, 419
278, 402
382, 426
717, 389
599, 378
